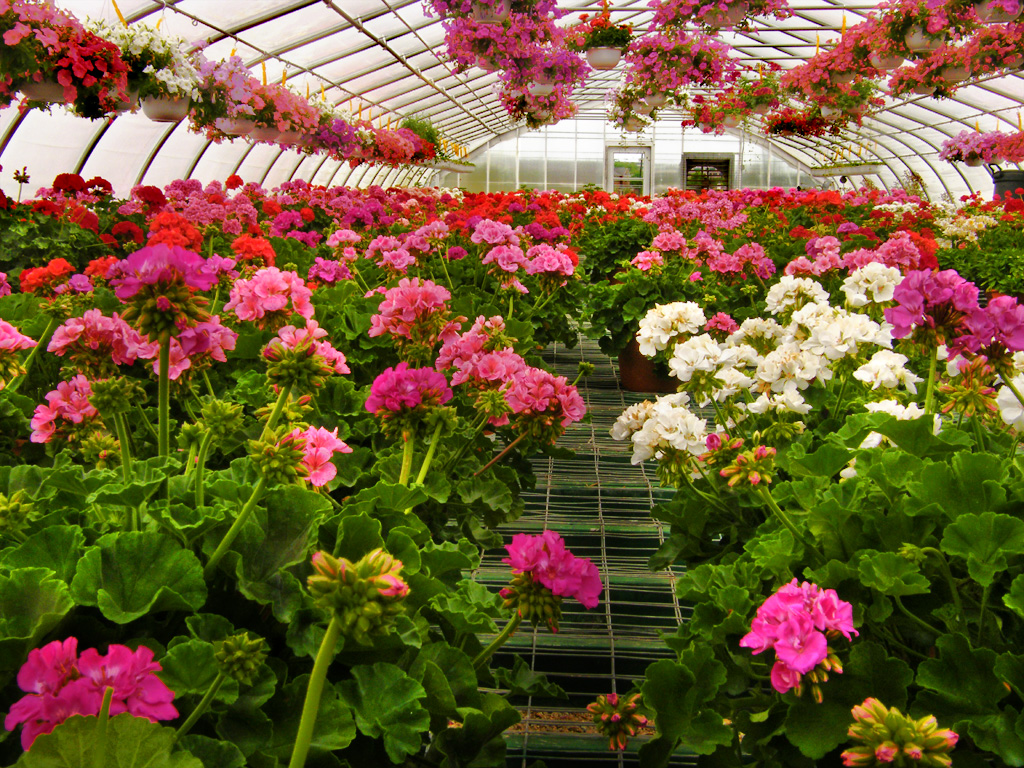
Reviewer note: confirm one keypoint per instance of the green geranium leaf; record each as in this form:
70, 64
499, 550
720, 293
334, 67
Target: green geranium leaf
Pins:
286, 519
132, 742
32, 602
824, 462
357, 535
149, 476
458, 670
969, 483
214, 752
385, 496
960, 684
334, 728
891, 574
248, 729
470, 608
678, 692
128, 575
386, 702
58, 548
190, 668
985, 541
1014, 600
523, 681
405, 549
776, 552
449, 559
479, 741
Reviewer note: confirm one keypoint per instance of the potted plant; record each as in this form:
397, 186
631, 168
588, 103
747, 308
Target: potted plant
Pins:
715, 14
228, 97
600, 38
160, 74
50, 57
665, 62
972, 148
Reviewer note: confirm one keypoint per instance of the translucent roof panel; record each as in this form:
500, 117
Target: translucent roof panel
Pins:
387, 56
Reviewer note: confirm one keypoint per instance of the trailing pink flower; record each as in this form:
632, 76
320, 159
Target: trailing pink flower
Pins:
795, 623
270, 297
59, 684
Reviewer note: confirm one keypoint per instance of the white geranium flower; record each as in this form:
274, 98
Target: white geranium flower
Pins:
631, 420
887, 369
794, 292
661, 325
1010, 409
872, 283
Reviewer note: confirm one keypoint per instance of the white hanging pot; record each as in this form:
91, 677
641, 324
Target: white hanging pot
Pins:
990, 13
829, 112
885, 63
761, 109
919, 42
731, 121
542, 89
162, 109
730, 18
655, 100
603, 58
955, 74
264, 133
49, 91
642, 107
973, 161
235, 126
491, 14
843, 78
924, 90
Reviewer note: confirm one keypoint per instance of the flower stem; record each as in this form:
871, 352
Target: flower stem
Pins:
981, 612
204, 450
407, 447
44, 341
209, 386
314, 691
126, 451
766, 496
144, 420
164, 396
929, 392
839, 398
202, 706
431, 449
501, 455
1016, 392
914, 618
497, 642
99, 749
953, 590
235, 528
275, 415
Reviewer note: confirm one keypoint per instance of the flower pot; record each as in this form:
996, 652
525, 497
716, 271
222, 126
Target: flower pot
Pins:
973, 161
603, 58
706, 127
289, 137
542, 89
264, 133
920, 42
924, 90
487, 65
761, 109
235, 126
731, 121
843, 78
642, 108
717, 19
633, 124
829, 112
490, 14
990, 13
655, 100
864, 169
1008, 181
49, 91
879, 61
165, 110
638, 374
955, 74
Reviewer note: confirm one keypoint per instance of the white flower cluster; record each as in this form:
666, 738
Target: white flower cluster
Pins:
887, 369
965, 228
178, 78
794, 292
1010, 409
631, 420
664, 424
873, 283
663, 324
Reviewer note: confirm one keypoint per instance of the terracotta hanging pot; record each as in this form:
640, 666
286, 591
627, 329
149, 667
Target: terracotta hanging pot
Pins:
638, 374
267, 133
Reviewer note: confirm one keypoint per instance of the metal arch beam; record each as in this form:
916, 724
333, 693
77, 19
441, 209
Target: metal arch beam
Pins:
91, 145
144, 169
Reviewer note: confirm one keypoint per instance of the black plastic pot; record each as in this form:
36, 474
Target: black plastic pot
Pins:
1008, 181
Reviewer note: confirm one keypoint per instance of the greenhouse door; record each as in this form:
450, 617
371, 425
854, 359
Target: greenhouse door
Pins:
628, 169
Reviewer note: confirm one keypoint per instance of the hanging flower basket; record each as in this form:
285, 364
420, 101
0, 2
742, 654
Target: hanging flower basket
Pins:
604, 58
268, 133
48, 91
996, 12
235, 126
832, 171
655, 100
161, 109
885, 63
919, 41
491, 14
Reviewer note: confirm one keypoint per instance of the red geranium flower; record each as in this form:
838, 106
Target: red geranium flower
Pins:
234, 181
69, 182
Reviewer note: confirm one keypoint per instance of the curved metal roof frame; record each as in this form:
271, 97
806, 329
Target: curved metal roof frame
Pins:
385, 57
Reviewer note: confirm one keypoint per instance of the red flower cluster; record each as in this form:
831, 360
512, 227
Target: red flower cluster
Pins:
256, 250
173, 229
43, 280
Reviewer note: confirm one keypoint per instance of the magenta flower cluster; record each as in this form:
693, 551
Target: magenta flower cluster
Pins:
931, 301
540, 395
320, 445
66, 406
411, 309
270, 295
793, 622
550, 564
402, 389
59, 683
162, 265
94, 337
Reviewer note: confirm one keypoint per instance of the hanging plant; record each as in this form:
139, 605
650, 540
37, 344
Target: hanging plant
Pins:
665, 62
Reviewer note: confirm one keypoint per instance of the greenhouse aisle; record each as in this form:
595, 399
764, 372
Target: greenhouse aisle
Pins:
600, 504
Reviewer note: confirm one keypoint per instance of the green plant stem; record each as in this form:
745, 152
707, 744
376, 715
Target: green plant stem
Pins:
126, 451
444, 266
916, 619
99, 749
981, 612
950, 582
979, 433
540, 306
929, 392
431, 450
839, 397
202, 706
204, 450
766, 496
275, 415
44, 341
209, 386
499, 457
164, 397
1016, 392
407, 449
497, 642
235, 528
314, 691
190, 462
144, 420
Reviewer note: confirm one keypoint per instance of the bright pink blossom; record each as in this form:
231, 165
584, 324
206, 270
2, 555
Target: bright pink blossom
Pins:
160, 264
403, 388
66, 406
545, 557
320, 446
270, 296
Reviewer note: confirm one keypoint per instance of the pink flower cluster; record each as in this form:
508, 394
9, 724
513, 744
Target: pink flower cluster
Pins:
320, 445
197, 346
898, 251
311, 337
416, 310
822, 256
1000, 322
94, 339
270, 296
751, 254
402, 389
544, 399
793, 623
67, 405
12, 340
546, 559
933, 302
59, 683
163, 265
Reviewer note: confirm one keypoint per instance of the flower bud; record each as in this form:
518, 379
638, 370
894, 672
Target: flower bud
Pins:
240, 657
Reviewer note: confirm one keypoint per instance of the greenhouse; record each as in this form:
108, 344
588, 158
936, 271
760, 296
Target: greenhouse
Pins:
511, 383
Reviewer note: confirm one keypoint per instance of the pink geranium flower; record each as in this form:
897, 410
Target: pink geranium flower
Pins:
545, 557
320, 445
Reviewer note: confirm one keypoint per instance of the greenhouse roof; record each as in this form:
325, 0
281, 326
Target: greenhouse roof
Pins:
386, 58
